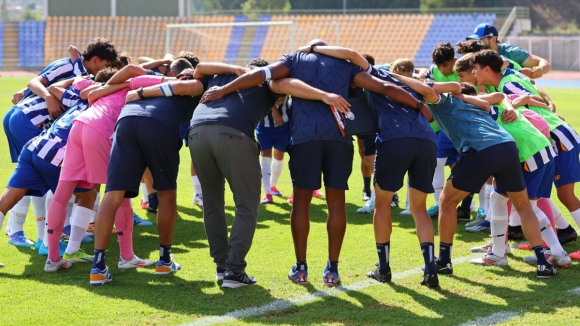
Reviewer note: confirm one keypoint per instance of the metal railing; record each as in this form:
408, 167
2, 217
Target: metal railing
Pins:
563, 52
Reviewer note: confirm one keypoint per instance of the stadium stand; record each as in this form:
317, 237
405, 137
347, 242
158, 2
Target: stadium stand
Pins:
387, 36
30, 43
449, 28
259, 38
2, 44
235, 40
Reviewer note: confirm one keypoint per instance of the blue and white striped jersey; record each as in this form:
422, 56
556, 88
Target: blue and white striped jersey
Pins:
268, 121
51, 143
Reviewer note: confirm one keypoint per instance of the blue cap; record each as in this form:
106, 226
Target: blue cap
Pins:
483, 30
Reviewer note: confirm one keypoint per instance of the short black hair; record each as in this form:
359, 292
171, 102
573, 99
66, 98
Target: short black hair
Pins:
101, 48
488, 58
179, 65
470, 46
442, 53
369, 58
465, 63
258, 62
189, 56
105, 74
468, 89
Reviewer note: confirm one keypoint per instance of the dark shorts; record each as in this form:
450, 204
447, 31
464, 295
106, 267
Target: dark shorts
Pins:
370, 145
183, 133
309, 160
274, 137
36, 175
567, 167
19, 130
397, 157
500, 161
445, 149
140, 142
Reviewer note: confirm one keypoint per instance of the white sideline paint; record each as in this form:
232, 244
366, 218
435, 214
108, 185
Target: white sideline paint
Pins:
575, 291
498, 317
281, 304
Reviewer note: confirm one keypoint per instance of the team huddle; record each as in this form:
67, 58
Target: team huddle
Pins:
93, 118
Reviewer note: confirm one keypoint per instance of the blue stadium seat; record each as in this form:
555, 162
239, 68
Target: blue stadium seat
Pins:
448, 28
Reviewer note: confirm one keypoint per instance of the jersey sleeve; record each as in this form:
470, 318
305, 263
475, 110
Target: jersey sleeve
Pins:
430, 74
514, 53
58, 71
287, 60
78, 68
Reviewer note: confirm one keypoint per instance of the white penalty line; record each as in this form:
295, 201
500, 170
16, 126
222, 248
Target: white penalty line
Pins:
282, 304
501, 317
496, 318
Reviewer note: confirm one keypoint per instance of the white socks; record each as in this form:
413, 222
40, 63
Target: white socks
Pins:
79, 224
277, 167
196, 185
266, 172
548, 234
439, 178
499, 223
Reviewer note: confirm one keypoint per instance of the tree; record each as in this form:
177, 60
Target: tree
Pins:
446, 3
251, 6
224, 4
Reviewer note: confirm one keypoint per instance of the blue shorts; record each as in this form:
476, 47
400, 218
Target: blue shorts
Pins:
501, 161
35, 174
19, 130
415, 156
274, 137
135, 148
567, 167
445, 149
310, 160
183, 133
370, 145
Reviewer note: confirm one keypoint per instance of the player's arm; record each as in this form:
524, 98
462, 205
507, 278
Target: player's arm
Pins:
144, 59
393, 91
278, 121
73, 53
252, 78
509, 114
298, 88
38, 86
177, 88
473, 101
105, 90
57, 89
155, 63
18, 96
127, 72
545, 98
539, 65
429, 94
207, 69
339, 53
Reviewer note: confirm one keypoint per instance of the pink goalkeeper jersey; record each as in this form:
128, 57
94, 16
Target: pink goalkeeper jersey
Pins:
103, 114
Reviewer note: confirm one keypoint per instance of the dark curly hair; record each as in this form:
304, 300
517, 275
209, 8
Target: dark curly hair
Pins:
468, 89
470, 46
189, 56
104, 75
258, 62
122, 60
442, 53
370, 59
101, 48
488, 58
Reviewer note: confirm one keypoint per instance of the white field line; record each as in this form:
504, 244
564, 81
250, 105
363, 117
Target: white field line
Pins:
496, 318
281, 304
575, 291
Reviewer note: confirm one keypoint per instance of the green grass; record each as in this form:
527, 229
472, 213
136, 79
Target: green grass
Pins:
28, 295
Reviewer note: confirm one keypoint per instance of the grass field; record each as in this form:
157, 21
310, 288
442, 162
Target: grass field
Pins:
473, 295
